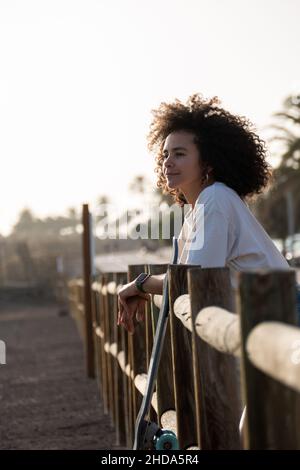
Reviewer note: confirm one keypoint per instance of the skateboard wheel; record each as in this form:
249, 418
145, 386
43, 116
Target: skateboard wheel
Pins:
166, 440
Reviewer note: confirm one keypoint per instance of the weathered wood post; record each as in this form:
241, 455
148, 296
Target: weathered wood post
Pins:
217, 392
148, 323
149, 333
181, 341
108, 338
121, 390
80, 310
87, 276
165, 382
272, 417
101, 334
137, 349
97, 341
127, 387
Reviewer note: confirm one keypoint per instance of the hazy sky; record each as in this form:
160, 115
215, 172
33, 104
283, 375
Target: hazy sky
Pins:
78, 80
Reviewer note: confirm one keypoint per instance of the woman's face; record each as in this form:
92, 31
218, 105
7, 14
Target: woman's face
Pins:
181, 165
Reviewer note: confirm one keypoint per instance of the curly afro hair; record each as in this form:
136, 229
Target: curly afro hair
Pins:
225, 142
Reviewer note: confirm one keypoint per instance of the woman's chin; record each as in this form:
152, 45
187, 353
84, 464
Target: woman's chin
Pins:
172, 185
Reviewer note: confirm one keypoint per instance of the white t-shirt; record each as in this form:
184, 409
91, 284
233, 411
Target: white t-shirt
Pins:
228, 234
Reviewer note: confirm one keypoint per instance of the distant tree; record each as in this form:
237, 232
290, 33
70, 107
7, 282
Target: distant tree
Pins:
138, 184
273, 208
103, 199
25, 221
29, 226
289, 131
72, 214
101, 202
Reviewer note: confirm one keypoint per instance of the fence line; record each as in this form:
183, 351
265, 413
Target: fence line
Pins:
216, 358
198, 389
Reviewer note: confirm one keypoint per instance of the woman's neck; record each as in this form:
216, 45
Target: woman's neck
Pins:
192, 194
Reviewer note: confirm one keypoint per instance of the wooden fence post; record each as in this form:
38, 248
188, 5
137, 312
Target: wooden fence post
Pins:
181, 340
164, 383
137, 350
272, 416
97, 339
121, 390
217, 394
108, 340
149, 333
127, 386
87, 276
101, 333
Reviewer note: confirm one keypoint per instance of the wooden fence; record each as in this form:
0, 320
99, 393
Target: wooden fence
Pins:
223, 350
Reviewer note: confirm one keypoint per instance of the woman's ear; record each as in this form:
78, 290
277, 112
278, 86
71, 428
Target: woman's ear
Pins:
210, 171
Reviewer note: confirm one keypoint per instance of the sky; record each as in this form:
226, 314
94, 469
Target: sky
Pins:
78, 81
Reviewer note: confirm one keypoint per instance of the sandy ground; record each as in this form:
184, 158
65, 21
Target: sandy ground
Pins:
47, 402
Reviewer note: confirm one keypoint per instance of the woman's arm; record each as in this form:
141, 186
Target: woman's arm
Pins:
131, 301
154, 284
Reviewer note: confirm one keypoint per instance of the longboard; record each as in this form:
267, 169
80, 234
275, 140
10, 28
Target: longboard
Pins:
148, 435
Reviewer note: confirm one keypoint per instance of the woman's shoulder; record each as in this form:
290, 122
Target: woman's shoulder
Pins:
220, 198
219, 194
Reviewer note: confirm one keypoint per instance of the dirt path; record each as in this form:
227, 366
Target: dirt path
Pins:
46, 400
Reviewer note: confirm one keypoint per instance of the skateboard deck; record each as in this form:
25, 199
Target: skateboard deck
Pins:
149, 435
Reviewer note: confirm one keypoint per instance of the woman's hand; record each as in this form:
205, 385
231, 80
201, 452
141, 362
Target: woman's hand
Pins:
131, 302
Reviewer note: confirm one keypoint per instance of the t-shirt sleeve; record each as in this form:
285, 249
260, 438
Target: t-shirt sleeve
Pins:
210, 243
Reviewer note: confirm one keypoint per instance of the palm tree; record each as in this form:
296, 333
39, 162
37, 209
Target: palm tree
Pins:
279, 209
290, 116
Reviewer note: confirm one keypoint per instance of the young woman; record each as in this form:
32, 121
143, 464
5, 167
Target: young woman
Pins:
214, 161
